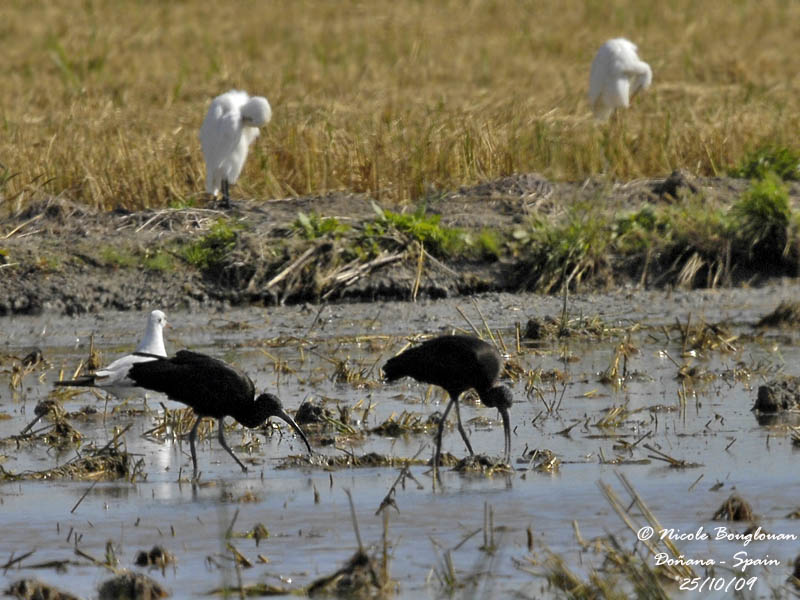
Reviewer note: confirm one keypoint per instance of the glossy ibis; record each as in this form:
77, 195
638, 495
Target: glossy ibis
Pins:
456, 363
213, 388
229, 128
114, 378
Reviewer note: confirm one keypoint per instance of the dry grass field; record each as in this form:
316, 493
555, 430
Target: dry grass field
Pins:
102, 101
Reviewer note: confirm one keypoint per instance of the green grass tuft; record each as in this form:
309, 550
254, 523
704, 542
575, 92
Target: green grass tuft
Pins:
313, 226
761, 217
118, 258
567, 251
209, 251
437, 239
634, 232
487, 244
780, 160
159, 260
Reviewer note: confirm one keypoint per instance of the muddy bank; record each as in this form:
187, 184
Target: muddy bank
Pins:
63, 258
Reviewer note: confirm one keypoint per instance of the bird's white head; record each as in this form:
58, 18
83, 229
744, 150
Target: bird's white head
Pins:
256, 112
158, 319
645, 77
153, 340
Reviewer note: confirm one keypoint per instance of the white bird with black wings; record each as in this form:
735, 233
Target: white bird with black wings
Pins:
114, 378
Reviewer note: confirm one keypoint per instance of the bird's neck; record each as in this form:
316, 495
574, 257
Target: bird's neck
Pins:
152, 343
252, 418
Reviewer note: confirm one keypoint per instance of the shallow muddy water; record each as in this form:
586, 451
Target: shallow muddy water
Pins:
306, 508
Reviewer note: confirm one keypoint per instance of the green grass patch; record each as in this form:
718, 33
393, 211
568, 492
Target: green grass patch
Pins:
437, 239
761, 217
118, 258
124, 258
49, 263
313, 226
780, 160
634, 232
691, 243
211, 249
567, 251
183, 202
487, 244
158, 260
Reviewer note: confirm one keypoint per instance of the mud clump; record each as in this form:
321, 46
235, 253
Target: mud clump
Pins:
539, 329
310, 413
543, 461
31, 589
370, 459
104, 465
735, 508
480, 464
156, 557
131, 586
787, 314
404, 424
778, 396
678, 184
360, 577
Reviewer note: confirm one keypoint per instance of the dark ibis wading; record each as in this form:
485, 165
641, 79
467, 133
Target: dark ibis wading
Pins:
456, 363
213, 388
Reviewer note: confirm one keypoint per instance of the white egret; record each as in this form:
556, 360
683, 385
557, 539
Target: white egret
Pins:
229, 128
114, 378
617, 74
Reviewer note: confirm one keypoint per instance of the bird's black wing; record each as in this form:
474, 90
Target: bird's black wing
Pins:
451, 361
203, 382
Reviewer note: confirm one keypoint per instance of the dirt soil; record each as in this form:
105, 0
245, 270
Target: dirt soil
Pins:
60, 257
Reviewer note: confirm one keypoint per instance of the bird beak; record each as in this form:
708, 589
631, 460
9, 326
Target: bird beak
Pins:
507, 431
295, 426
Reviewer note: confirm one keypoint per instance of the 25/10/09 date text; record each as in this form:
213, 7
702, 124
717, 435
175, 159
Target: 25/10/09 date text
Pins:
717, 584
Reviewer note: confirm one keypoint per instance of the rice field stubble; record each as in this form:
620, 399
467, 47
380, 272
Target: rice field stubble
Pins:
102, 101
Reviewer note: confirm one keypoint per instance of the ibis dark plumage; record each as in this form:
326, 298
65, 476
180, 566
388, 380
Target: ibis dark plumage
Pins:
213, 388
456, 363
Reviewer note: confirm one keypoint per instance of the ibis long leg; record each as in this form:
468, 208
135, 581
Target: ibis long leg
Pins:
507, 433
439, 432
192, 437
462, 431
224, 444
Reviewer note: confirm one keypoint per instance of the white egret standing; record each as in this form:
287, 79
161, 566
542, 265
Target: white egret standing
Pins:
617, 74
229, 128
